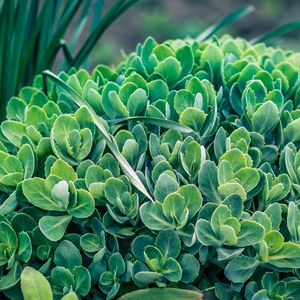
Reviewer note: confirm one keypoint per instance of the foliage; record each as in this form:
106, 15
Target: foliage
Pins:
32, 34
179, 168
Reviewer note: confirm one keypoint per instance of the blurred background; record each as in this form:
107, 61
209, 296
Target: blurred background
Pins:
164, 19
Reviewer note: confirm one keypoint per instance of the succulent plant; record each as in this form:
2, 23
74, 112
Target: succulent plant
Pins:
179, 168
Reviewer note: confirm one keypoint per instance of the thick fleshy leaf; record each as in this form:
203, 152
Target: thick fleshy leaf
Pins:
34, 285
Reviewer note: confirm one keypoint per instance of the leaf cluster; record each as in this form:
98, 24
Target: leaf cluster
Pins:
179, 168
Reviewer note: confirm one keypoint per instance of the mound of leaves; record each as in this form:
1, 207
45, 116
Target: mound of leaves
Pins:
178, 168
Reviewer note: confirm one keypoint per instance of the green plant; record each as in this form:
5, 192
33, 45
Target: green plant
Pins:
177, 169
32, 34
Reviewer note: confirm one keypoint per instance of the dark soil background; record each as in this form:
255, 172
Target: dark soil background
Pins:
164, 19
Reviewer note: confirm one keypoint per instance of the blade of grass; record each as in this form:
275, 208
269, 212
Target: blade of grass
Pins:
30, 52
18, 43
53, 47
155, 121
30, 23
76, 98
115, 10
98, 8
67, 52
84, 16
277, 32
229, 19
46, 32
97, 15
3, 20
6, 36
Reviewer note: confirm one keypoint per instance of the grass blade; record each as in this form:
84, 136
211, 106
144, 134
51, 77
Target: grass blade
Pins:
155, 121
83, 19
74, 96
6, 35
18, 42
231, 18
53, 47
31, 51
67, 52
277, 32
115, 10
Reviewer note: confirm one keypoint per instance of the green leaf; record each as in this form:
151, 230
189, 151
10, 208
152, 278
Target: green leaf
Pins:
13, 131
10, 280
190, 267
174, 208
36, 193
154, 258
274, 240
232, 188
24, 247
163, 294
208, 181
148, 277
137, 102
183, 99
116, 264
172, 270
153, 217
205, 234
168, 243
82, 280
67, 255
165, 185
219, 216
8, 237
241, 268
291, 132
26, 156
85, 205
248, 177
62, 279
192, 197
54, 227
34, 285
250, 233
193, 118
293, 220
169, 69
114, 188
90, 242
70, 296
139, 244
287, 257
64, 170
265, 118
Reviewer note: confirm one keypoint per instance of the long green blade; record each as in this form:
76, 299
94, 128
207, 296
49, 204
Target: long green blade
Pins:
6, 36
115, 10
30, 53
231, 18
277, 32
74, 96
155, 121
53, 47
18, 42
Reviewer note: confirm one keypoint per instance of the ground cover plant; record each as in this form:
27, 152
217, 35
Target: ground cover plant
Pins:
179, 168
34, 32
